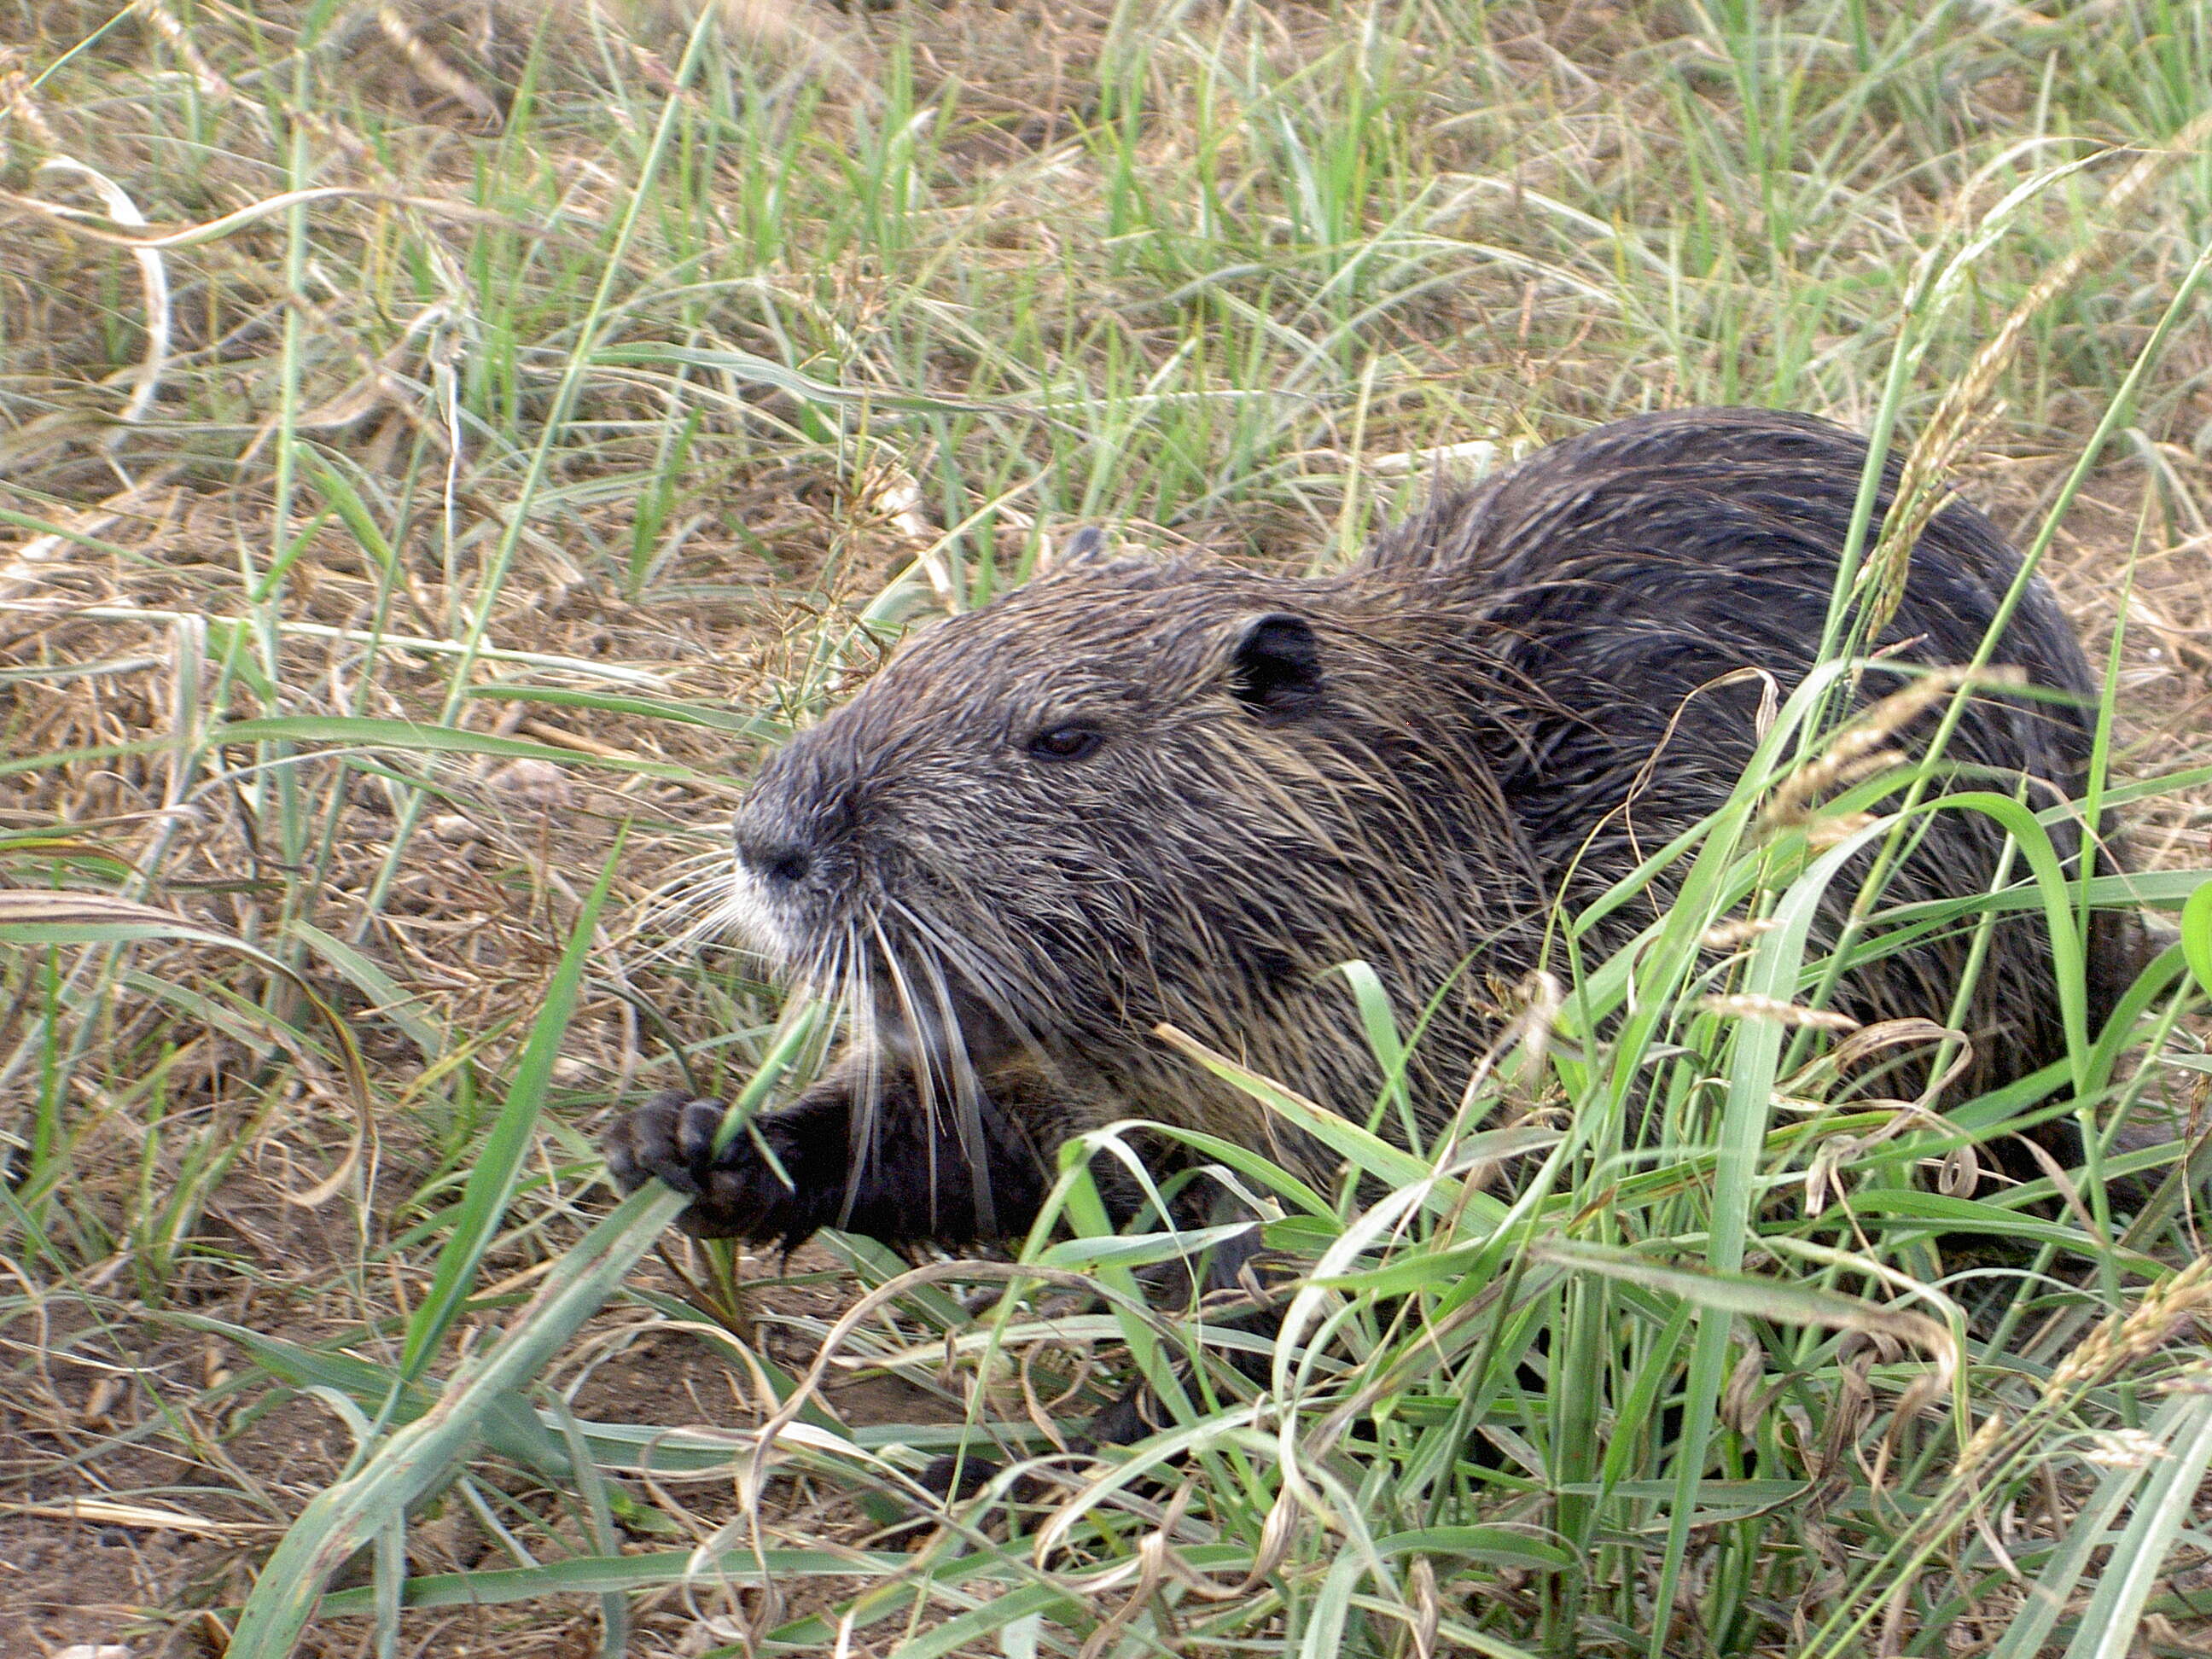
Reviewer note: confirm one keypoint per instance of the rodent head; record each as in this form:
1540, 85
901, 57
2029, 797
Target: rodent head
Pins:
1125, 793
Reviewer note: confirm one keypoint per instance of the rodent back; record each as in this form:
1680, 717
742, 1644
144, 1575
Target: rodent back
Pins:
1630, 572
1654, 582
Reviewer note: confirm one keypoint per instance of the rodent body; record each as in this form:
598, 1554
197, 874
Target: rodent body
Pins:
1133, 792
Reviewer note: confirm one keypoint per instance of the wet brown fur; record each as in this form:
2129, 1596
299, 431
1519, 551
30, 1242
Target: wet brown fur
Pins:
1508, 701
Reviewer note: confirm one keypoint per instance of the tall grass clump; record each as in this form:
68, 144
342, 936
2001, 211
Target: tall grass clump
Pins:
440, 450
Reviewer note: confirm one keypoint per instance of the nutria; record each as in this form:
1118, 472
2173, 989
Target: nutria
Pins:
1138, 792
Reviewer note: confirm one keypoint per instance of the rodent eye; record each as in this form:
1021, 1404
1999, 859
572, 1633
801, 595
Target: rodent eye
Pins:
1070, 741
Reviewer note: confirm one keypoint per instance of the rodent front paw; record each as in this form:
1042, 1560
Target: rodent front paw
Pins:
671, 1137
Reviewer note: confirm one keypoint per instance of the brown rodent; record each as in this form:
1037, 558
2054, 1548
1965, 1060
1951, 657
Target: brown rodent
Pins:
1133, 792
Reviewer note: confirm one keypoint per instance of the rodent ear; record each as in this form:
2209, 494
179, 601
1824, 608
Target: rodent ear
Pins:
1276, 668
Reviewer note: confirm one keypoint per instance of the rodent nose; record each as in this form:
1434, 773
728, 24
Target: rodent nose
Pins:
774, 858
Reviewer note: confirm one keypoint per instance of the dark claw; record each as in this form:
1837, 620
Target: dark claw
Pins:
697, 1123
661, 1137
672, 1137
738, 1194
794, 1171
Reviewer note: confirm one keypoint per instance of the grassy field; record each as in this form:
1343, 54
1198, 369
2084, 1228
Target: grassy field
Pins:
442, 448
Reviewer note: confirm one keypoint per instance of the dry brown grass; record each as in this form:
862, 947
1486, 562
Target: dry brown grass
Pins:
1021, 264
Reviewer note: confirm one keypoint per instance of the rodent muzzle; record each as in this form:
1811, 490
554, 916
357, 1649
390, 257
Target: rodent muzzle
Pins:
777, 886
776, 861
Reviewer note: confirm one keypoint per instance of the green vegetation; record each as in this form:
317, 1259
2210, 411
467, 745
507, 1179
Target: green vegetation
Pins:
439, 448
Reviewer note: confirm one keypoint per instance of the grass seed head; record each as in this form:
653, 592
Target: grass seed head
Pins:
1747, 1004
